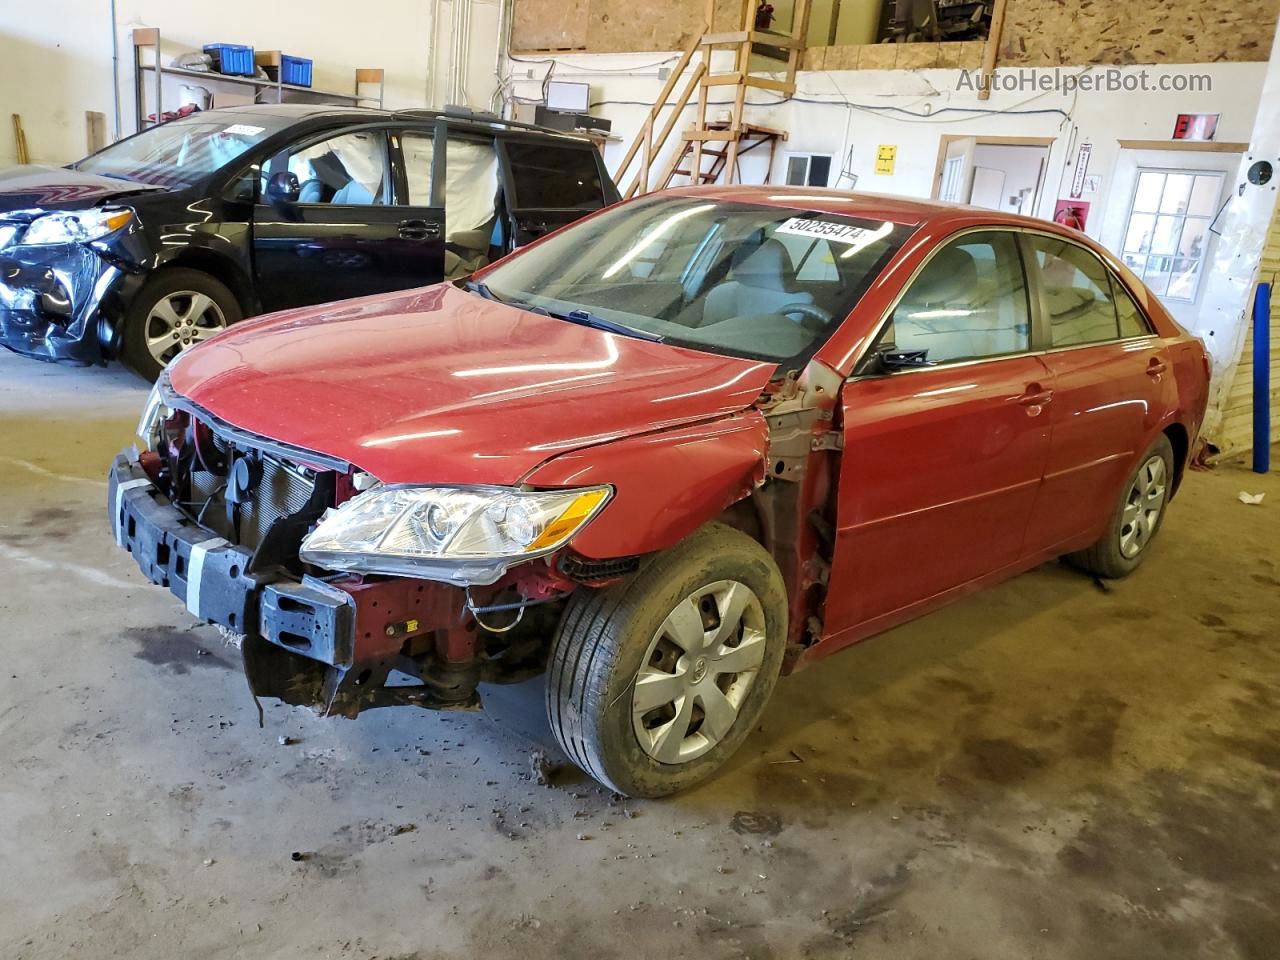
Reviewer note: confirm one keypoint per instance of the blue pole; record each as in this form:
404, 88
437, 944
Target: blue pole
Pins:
1262, 379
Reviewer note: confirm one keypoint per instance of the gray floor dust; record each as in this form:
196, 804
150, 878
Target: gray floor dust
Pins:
1042, 770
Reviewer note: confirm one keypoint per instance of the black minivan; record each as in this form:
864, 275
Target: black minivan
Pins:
165, 237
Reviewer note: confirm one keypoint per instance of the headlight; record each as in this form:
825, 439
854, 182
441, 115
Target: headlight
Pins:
78, 227
153, 413
461, 535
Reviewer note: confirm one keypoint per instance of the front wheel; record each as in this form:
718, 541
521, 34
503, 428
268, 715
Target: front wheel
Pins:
176, 309
656, 681
1136, 519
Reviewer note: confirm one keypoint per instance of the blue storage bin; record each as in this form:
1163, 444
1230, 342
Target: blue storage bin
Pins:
295, 70
231, 58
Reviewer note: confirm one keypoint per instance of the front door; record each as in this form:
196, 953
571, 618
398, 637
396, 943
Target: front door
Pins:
941, 462
331, 223
1112, 382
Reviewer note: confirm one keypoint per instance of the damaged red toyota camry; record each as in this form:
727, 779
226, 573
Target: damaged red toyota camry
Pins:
690, 442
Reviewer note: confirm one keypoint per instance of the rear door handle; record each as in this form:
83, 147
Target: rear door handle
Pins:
1156, 367
419, 230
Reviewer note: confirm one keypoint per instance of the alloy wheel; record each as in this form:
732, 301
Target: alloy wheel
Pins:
179, 320
1142, 507
698, 669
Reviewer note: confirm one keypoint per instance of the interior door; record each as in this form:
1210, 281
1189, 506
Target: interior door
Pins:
329, 223
550, 185
941, 461
1113, 381
955, 179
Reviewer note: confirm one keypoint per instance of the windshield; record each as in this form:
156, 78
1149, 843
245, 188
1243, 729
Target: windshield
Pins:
180, 153
748, 280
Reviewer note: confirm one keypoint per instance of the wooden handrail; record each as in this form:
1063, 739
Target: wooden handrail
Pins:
647, 131
660, 102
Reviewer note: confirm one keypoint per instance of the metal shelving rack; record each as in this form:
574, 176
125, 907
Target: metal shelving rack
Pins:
148, 38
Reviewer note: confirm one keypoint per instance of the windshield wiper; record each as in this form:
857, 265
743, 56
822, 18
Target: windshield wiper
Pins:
588, 319
584, 317
483, 289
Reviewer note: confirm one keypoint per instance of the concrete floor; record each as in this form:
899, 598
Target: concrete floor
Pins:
1043, 770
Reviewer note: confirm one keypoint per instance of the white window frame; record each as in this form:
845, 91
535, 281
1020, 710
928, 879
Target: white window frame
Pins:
808, 163
1202, 258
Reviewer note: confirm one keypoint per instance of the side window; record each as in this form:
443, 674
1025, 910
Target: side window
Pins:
1077, 292
549, 177
1132, 321
970, 301
418, 150
350, 169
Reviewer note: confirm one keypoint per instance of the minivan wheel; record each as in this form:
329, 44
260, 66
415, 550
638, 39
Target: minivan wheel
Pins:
176, 309
1136, 519
655, 681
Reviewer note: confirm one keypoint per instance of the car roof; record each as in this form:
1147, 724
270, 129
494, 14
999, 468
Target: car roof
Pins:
868, 206
467, 120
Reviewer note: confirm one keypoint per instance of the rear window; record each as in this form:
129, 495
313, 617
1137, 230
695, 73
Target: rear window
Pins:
554, 177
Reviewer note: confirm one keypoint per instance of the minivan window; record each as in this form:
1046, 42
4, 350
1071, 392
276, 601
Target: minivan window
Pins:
553, 177
969, 301
1077, 293
349, 169
725, 277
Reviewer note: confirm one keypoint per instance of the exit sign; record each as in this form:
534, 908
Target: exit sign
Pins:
1195, 126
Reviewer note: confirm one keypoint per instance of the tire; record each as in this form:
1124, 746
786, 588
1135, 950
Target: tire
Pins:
606, 635
146, 320
1124, 543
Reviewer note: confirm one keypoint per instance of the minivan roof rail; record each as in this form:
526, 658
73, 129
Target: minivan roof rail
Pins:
454, 112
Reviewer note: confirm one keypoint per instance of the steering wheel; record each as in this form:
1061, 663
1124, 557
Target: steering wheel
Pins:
814, 316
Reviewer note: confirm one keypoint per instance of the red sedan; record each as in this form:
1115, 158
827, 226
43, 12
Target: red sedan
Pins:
688, 443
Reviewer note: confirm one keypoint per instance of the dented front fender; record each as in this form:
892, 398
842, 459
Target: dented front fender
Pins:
667, 483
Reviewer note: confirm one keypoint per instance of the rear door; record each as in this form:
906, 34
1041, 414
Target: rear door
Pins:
343, 229
1113, 382
942, 462
550, 183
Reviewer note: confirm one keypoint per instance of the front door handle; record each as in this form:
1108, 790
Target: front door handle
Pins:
1034, 398
1156, 367
419, 230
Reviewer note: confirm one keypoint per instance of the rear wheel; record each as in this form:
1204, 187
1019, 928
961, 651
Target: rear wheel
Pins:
176, 309
656, 681
1137, 517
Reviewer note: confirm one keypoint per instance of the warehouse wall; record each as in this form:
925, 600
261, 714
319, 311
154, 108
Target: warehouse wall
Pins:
849, 113
1037, 32
55, 59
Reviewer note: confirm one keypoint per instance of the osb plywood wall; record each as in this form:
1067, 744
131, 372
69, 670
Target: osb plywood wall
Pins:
1036, 33
1053, 32
613, 26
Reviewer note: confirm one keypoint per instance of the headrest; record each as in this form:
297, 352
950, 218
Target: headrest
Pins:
767, 266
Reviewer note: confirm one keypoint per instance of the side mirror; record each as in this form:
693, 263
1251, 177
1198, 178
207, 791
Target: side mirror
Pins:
283, 188
887, 358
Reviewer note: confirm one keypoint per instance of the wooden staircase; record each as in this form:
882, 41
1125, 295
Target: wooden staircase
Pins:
731, 138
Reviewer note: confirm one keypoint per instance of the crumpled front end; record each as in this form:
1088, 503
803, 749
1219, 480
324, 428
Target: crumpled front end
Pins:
217, 516
51, 296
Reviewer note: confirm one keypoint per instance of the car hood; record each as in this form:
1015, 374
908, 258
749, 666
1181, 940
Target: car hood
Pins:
57, 188
442, 386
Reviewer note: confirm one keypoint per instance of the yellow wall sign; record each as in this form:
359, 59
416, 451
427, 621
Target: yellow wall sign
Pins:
886, 153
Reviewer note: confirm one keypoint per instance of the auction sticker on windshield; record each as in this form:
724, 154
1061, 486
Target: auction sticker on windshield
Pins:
243, 130
823, 230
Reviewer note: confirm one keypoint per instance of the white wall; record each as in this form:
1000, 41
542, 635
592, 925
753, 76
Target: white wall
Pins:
55, 55
848, 113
